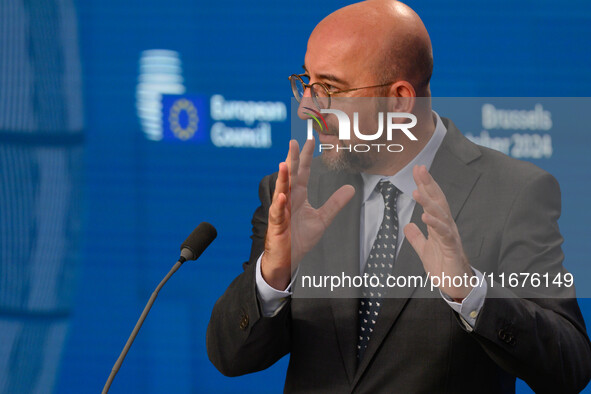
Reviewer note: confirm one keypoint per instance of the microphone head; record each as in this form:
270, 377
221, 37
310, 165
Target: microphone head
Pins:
198, 241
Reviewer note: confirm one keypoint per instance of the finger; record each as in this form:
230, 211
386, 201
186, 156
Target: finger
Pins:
293, 158
423, 177
287, 159
442, 229
421, 174
415, 174
277, 211
416, 238
305, 162
282, 182
335, 203
430, 205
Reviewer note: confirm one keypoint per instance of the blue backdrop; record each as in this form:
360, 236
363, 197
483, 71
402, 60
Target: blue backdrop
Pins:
145, 189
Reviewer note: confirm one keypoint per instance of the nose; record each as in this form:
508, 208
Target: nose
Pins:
306, 101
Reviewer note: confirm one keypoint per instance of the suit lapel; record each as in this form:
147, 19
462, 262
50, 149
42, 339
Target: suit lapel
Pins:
341, 254
456, 179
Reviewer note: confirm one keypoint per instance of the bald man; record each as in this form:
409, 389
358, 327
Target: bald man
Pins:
461, 210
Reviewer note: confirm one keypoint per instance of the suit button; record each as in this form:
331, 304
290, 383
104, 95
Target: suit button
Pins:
244, 322
506, 337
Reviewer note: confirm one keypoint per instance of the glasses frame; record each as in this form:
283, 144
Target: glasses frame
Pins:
329, 93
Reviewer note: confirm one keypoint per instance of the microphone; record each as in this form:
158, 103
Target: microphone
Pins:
197, 241
191, 249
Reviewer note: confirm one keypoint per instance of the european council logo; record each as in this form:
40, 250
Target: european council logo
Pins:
184, 118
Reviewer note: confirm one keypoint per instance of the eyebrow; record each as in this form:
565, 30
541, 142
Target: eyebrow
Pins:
327, 77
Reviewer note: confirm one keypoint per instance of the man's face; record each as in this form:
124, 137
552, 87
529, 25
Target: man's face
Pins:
341, 60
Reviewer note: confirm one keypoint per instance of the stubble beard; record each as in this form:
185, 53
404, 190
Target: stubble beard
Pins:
348, 161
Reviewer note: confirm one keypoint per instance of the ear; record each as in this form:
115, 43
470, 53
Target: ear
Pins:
402, 96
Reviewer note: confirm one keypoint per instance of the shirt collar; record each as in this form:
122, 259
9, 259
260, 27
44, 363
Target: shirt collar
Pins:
403, 179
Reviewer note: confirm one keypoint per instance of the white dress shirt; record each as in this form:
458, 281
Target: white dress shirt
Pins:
372, 211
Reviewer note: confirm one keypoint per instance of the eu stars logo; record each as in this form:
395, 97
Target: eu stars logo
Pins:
185, 128
184, 118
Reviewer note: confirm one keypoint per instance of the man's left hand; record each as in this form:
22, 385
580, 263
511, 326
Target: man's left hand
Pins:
441, 252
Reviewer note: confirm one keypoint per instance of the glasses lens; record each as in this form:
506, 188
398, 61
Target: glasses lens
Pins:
320, 96
297, 87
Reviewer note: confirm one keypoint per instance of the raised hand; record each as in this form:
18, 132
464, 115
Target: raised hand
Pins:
442, 251
294, 226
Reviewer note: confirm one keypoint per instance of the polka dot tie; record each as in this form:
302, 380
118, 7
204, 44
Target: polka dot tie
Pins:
379, 263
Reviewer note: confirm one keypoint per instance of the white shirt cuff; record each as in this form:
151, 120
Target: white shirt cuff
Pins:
470, 307
271, 300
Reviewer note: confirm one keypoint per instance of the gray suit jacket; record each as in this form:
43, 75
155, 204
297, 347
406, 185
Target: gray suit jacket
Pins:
506, 212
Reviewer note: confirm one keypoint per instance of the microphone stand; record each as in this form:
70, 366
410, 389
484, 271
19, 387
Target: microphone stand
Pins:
138, 325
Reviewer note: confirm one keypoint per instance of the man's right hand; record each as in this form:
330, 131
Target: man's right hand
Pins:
294, 226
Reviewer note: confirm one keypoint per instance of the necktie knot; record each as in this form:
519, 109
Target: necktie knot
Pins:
388, 191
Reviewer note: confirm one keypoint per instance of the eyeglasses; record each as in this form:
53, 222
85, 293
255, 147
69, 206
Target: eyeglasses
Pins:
321, 94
